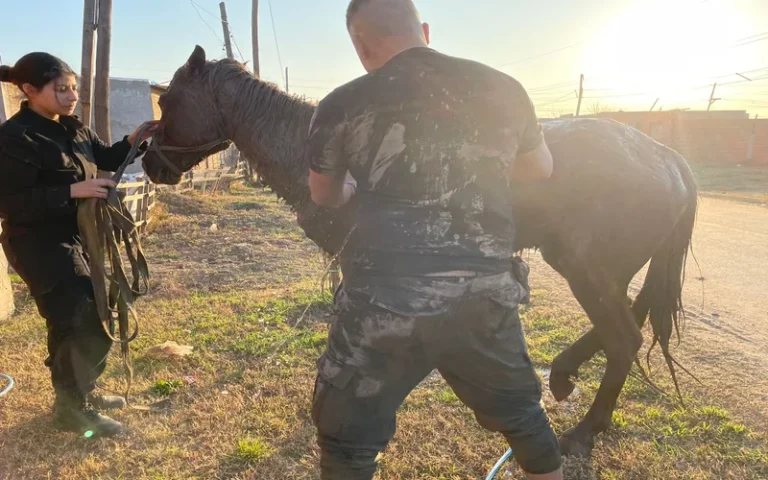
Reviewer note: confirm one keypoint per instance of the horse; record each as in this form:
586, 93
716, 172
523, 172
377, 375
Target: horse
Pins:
616, 200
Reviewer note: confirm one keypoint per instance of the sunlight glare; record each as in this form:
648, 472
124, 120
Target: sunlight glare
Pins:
670, 49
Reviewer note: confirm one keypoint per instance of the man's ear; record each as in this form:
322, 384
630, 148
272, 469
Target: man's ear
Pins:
425, 29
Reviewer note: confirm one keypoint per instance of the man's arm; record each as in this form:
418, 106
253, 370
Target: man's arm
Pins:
330, 191
534, 160
330, 183
532, 166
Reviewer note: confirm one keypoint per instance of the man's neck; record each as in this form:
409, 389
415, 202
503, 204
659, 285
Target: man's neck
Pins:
398, 47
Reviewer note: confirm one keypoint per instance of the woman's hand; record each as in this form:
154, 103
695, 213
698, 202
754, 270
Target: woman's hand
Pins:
96, 188
132, 138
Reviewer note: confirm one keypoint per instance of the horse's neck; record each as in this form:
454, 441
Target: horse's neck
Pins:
270, 129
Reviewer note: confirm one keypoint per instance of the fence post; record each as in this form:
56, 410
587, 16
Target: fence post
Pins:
6, 290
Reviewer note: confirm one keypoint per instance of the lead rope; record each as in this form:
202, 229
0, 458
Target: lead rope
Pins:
105, 225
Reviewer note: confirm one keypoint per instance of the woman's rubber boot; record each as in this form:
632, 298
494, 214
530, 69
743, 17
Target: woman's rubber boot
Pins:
77, 415
106, 402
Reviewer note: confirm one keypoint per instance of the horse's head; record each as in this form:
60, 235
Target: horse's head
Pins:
191, 126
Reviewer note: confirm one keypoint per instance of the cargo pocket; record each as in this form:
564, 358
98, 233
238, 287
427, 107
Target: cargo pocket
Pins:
332, 375
520, 271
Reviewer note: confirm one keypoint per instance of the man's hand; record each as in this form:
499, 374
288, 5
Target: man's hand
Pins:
330, 191
96, 188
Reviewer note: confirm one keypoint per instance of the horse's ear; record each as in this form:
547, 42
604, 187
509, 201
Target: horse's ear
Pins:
197, 60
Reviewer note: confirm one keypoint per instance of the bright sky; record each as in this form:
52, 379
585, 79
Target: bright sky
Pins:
630, 51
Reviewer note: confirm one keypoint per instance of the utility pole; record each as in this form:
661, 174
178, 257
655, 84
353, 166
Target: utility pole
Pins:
581, 94
255, 36
712, 98
86, 69
654, 104
286, 80
225, 26
101, 93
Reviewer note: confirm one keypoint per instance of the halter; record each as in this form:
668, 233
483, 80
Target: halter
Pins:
159, 149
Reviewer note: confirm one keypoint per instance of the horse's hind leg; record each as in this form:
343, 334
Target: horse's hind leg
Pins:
618, 334
566, 365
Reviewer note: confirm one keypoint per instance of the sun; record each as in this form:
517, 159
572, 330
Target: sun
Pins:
670, 49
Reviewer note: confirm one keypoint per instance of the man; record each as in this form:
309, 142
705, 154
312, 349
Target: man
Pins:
431, 144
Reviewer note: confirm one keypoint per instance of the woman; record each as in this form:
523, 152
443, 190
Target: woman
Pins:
49, 161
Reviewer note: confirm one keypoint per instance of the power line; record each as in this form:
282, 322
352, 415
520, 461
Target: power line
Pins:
553, 86
752, 36
540, 55
194, 5
277, 44
751, 41
217, 17
236, 45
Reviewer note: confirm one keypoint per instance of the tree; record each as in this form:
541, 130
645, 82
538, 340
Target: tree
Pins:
597, 108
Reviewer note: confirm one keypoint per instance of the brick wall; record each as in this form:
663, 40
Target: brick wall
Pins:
723, 141
715, 138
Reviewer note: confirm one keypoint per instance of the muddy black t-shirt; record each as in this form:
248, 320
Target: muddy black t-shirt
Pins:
430, 140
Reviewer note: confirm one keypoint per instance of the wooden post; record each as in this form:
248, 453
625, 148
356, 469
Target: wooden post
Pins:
255, 36
2, 103
581, 95
86, 68
225, 26
6, 289
101, 94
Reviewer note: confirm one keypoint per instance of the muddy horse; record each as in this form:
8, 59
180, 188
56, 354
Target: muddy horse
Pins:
616, 200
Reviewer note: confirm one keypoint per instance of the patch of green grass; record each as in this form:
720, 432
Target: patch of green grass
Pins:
254, 450
166, 387
447, 396
246, 206
619, 419
16, 279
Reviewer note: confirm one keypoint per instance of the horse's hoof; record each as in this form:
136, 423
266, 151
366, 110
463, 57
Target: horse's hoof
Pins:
560, 385
572, 445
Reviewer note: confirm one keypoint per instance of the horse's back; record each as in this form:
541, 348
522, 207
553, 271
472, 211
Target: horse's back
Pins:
614, 190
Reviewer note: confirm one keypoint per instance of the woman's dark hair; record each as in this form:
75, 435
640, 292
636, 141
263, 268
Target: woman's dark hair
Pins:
36, 69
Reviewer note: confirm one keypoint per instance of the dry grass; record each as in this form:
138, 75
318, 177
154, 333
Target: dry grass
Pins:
239, 410
747, 184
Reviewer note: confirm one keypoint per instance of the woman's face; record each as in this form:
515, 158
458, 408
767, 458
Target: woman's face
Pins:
57, 97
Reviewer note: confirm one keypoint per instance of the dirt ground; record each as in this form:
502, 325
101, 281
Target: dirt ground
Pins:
235, 278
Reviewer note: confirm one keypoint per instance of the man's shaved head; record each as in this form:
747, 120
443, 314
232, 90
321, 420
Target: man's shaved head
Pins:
381, 29
385, 17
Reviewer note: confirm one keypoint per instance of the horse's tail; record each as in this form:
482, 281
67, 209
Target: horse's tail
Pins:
660, 299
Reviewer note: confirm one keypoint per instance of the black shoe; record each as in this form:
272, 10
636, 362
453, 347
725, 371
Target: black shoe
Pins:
80, 417
106, 402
